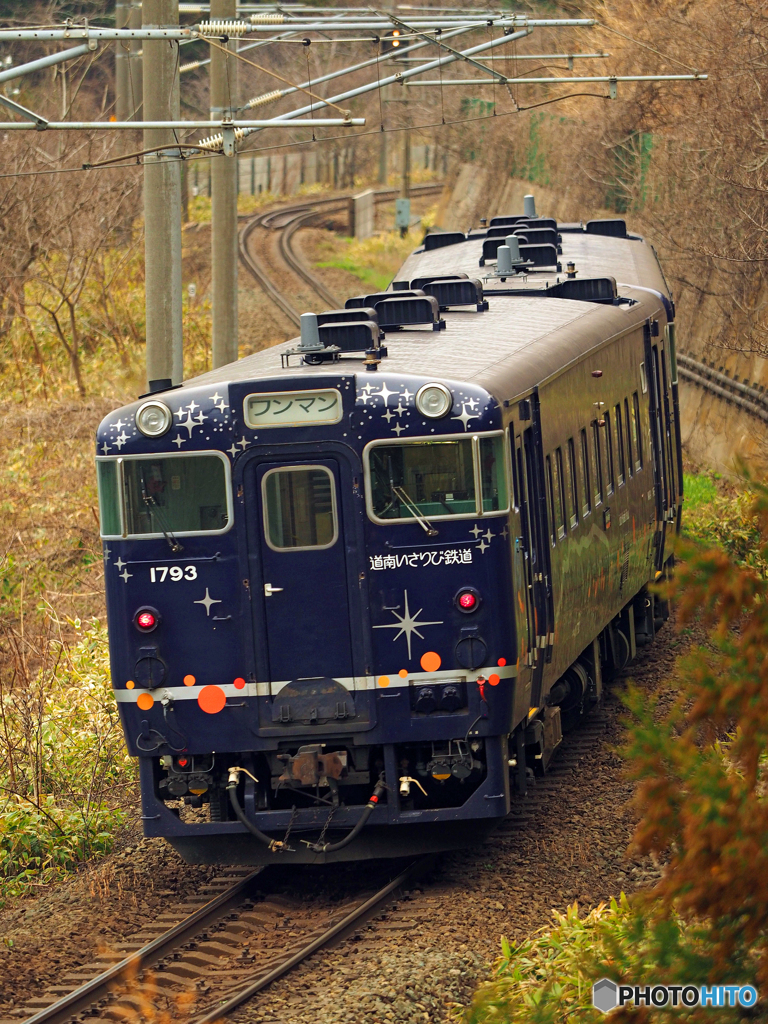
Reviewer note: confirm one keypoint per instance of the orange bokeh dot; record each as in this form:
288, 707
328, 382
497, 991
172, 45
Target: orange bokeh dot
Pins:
189, 680
130, 684
239, 683
502, 661
403, 673
431, 661
145, 701
212, 699
494, 680
383, 680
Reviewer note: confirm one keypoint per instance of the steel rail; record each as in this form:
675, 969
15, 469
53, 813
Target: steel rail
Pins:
742, 395
338, 931
99, 987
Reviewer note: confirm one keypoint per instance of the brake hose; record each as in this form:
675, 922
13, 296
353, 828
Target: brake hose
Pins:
274, 844
367, 812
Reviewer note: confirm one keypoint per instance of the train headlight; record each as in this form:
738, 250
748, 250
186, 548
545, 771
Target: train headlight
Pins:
467, 600
154, 419
434, 401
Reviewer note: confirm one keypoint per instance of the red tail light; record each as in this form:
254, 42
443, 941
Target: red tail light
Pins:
146, 619
467, 600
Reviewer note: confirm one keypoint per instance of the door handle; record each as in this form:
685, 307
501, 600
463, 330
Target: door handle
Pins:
269, 590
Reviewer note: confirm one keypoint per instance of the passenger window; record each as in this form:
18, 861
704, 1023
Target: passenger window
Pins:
493, 474
109, 498
559, 491
637, 435
299, 508
610, 481
620, 444
515, 482
598, 463
586, 508
550, 501
573, 486
630, 463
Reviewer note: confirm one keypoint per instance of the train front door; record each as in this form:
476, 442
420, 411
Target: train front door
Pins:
303, 583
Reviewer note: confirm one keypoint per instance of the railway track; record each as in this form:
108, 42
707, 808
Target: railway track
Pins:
199, 964
745, 396
287, 220
214, 959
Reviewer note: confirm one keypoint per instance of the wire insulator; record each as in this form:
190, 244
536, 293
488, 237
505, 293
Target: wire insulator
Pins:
223, 28
216, 142
267, 19
189, 67
268, 97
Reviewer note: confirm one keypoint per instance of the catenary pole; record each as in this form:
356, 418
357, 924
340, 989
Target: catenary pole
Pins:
162, 203
224, 100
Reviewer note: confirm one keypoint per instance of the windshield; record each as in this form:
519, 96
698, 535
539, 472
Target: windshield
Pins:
162, 496
437, 478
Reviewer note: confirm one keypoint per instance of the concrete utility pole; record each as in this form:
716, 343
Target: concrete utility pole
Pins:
224, 200
135, 82
162, 202
122, 57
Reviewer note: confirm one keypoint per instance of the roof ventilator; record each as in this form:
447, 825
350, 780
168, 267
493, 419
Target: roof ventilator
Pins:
613, 228
442, 238
369, 301
328, 342
421, 282
396, 312
458, 293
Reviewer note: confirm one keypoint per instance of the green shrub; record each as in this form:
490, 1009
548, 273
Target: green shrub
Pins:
65, 774
697, 754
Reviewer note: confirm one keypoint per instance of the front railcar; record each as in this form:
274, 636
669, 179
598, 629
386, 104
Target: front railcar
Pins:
309, 594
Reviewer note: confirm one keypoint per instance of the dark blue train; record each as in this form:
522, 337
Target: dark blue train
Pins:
357, 584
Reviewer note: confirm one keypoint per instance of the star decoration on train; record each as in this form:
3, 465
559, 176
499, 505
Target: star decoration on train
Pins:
208, 602
483, 546
107, 552
399, 409
476, 531
120, 441
406, 395
125, 575
398, 430
178, 440
385, 393
119, 564
407, 624
388, 415
218, 402
105, 448
233, 451
465, 417
488, 535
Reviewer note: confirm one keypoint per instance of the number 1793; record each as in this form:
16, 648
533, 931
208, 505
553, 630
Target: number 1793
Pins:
158, 574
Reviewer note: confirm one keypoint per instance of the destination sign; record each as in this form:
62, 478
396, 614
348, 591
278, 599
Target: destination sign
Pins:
293, 408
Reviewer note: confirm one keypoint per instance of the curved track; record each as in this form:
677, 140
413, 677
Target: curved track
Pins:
287, 220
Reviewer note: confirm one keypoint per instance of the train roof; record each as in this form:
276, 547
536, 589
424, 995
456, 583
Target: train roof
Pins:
520, 341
